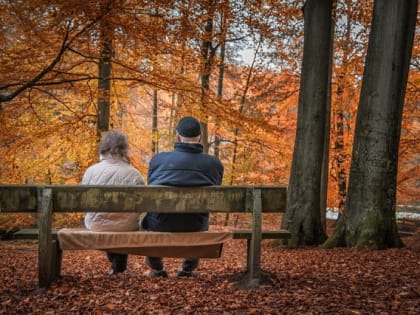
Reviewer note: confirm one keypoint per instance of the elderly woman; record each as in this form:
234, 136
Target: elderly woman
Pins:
114, 168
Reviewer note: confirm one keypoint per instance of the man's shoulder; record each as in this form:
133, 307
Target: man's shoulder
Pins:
214, 159
161, 155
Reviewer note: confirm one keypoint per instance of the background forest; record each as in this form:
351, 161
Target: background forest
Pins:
71, 70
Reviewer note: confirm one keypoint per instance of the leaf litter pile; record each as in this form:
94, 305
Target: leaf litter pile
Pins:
304, 281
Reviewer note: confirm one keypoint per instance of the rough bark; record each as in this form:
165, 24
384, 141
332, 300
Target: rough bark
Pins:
302, 217
340, 156
207, 55
155, 143
325, 159
220, 83
369, 215
104, 71
339, 160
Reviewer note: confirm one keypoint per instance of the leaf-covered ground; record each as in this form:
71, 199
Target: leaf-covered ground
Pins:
305, 281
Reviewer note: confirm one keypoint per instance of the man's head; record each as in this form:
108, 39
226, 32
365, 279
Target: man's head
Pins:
188, 129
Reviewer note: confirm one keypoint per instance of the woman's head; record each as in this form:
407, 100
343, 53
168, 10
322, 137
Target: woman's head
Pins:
114, 143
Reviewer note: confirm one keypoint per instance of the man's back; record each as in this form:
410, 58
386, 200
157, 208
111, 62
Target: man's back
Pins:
187, 165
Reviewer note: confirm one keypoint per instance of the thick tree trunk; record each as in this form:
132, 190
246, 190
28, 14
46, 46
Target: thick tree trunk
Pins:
302, 217
369, 216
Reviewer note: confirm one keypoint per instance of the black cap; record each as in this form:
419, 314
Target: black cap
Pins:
189, 127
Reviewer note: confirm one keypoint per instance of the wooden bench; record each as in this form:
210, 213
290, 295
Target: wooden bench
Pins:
46, 200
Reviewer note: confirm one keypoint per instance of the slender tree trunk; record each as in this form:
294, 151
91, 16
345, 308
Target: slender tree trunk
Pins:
369, 216
178, 102
342, 106
104, 70
219, 96
339, 160
220, 86
155, 143
179, 99
303, 213
207, 57
325, 159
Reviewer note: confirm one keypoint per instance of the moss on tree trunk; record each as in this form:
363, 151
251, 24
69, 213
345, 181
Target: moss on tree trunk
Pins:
371, 231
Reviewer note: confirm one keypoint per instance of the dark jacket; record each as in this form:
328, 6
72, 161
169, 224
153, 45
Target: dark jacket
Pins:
187, 165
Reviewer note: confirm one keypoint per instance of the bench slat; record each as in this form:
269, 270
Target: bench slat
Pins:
93, 198
236, 234
247, 234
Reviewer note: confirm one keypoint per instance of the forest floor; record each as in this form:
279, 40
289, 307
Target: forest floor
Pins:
304, 281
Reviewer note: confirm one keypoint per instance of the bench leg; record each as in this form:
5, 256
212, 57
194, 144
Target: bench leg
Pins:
56, 259
253, 274
48, 251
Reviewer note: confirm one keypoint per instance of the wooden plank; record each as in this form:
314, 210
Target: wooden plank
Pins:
273, 198
79, 198
150, 198
247, 234
31, 234
18, 198
28, 234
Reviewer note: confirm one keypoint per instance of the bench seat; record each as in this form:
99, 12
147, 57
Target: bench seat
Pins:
155, 244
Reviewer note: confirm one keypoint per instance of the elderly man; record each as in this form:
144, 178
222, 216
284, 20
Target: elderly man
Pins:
186, 165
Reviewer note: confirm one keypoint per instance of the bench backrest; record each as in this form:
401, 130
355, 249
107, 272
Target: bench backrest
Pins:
86, 198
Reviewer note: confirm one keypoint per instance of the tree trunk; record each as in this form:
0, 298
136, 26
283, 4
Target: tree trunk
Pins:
207, 57
340, 157
104, 71
325, 171
223, 30
155, 143
303, 213
369, 215
220, 96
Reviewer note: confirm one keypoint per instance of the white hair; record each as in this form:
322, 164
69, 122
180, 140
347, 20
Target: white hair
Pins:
189, 139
